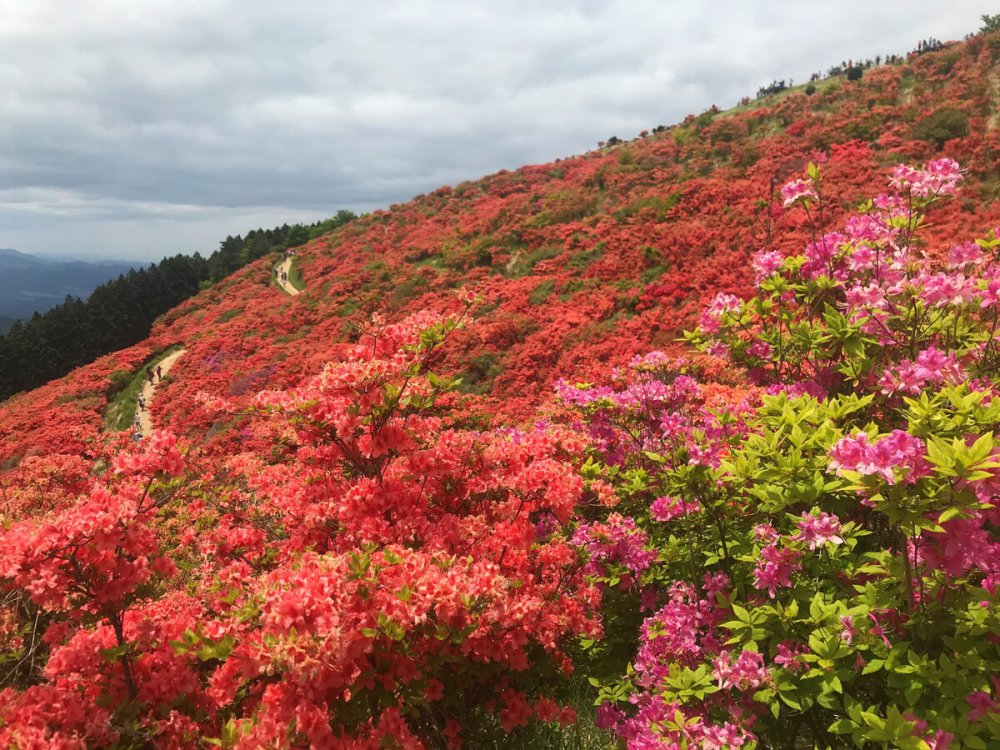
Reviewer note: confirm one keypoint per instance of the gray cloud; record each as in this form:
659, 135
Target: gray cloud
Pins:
139, 129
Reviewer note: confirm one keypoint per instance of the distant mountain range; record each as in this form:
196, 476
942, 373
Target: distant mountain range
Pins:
30, 284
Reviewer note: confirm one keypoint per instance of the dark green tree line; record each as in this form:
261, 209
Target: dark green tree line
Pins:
121, 312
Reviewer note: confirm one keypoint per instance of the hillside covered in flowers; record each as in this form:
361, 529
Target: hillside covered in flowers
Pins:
696, 428
580, 263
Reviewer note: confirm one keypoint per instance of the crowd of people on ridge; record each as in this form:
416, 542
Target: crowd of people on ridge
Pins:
853, 69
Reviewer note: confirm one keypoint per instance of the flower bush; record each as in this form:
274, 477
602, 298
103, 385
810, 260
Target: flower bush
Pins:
383, 575
819, 550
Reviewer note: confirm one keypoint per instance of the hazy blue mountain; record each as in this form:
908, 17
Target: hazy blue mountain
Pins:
30, 284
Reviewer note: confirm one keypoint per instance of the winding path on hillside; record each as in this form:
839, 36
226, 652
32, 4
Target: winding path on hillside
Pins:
285, 272
149, 389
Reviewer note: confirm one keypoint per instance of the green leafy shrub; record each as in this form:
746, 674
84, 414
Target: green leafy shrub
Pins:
942, 126
818, 551
542, 292
659, 205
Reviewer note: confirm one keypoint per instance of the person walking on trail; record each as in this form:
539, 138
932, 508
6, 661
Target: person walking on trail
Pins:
159, 374
149, 373
137, 435
138, 421
141, 401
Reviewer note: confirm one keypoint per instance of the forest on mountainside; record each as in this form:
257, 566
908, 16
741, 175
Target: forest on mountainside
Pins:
120, 312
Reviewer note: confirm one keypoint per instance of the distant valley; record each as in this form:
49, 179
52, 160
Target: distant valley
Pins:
30, 283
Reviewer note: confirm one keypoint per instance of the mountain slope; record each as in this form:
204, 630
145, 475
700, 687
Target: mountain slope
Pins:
581, 262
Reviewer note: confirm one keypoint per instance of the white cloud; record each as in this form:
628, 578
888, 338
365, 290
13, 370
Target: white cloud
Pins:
192, 116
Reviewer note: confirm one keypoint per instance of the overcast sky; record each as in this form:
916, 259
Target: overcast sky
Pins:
139, 128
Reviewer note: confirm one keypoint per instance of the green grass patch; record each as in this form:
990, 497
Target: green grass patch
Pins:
429, 261
70, 398
570, 288
379, 272
230, 314
522, 264
942, 126
120, 412
487, 734
563, 206
659, 204
478, 377
542, 292
819, 87
348, 307
295, 276
584, 258
595, 331
407, 289
652, 274
480, 253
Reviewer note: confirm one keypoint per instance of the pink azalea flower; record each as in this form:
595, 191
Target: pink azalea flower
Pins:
798, 190
608, 716
870, 296
818, 530
765, 264
764, 533
939, 177
991, 295
942, 289
819, 256
849, 452
878, 630
746, 673
715, 583
774, 569
849, 631
788, 655
896, 451
967, 252
668, 508
981, 703
760, 349
863, 257
723, 303
618, 540
940, 741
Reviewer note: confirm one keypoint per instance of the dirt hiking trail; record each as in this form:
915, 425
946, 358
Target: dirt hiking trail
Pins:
284, 272
149, 390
